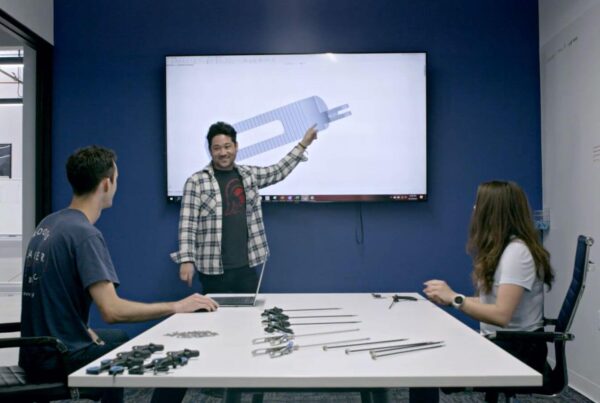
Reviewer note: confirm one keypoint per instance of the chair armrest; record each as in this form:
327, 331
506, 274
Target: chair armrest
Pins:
550, 322
8, 342
530, 336
10, 327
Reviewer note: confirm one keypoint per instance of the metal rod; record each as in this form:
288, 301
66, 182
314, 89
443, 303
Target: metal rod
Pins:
292, 347
376, 356
269, 339
310, 309
323, 316
397, 347
364, 344
277, 318
403, 346
324, 323
332, 343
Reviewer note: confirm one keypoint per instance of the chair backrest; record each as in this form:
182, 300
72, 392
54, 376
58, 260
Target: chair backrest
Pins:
556, 379
575, 291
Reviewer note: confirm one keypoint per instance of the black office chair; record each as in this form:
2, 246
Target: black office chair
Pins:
554, 379
14, 386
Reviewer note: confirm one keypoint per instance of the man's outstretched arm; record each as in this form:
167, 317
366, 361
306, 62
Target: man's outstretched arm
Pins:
272, 174
115, 309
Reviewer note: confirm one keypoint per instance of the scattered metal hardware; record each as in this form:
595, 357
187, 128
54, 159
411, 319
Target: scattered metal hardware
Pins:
285, 337
290, 346
191, 334
362, 344
405, 349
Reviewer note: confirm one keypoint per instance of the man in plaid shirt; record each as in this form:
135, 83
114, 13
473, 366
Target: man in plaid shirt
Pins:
221, 229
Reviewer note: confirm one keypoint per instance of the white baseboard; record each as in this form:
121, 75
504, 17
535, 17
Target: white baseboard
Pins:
581, 384
586, 387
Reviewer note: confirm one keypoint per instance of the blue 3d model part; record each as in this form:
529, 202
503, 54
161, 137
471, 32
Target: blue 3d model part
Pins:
295, 118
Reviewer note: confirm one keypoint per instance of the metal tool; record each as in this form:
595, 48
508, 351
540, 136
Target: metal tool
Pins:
405, 349
290, 346
173, 360
285, 326
397, 298
282, 317
125, 359
285, 337
277, 310
363, 344
277, 328
396, 347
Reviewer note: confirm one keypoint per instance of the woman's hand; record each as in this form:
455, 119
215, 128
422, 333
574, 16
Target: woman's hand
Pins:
439, 292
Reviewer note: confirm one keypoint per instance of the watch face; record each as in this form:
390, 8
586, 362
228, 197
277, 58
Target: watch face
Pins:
458, 301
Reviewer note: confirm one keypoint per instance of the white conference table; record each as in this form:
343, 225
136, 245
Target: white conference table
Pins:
466, 360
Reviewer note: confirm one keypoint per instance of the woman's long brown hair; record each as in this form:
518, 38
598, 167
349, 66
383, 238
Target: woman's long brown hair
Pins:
501, 211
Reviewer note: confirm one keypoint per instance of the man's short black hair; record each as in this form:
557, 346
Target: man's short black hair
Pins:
87, 166
221, 128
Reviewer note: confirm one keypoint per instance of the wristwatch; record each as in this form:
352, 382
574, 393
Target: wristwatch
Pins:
458, 301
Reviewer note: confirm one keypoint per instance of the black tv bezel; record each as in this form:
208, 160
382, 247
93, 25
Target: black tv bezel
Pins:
394, 198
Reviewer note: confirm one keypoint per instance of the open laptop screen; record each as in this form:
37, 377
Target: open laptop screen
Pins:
240, 299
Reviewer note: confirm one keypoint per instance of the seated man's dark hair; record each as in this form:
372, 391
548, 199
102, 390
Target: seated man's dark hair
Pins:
87, 166
220, 128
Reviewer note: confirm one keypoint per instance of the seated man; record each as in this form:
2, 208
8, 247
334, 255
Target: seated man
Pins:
67, 266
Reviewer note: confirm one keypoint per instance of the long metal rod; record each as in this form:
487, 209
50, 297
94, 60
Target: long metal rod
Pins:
324, 323
364, 344
376, 356
291, 346
323, 316
405, 346
331, 343
269, 339
397, 347
276, 318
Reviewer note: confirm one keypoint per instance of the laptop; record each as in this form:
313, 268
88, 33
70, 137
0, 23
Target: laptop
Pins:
240, 299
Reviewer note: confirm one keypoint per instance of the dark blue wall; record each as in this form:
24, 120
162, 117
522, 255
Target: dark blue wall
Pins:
483, 123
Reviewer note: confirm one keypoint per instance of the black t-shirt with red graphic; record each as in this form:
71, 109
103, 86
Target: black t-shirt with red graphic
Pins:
234, 236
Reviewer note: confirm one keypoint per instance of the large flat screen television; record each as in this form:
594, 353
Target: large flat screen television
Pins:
370, 109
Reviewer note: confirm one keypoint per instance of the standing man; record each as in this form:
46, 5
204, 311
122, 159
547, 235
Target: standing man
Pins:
68, 266
221, 229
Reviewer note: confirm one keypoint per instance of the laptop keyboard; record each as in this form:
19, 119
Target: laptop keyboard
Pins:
234, 300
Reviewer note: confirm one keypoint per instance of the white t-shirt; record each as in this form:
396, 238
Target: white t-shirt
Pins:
516, 266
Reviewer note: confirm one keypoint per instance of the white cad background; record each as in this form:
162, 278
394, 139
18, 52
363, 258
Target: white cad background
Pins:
379, 149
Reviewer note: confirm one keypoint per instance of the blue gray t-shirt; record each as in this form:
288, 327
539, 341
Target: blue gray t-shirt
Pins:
64, 257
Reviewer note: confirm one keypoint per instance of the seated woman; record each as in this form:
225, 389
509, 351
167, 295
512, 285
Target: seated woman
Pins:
510, 268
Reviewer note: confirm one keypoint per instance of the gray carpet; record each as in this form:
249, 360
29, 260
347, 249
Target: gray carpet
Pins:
396, 395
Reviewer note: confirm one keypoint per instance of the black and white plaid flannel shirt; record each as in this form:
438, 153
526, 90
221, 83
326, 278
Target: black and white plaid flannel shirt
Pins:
201, 215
